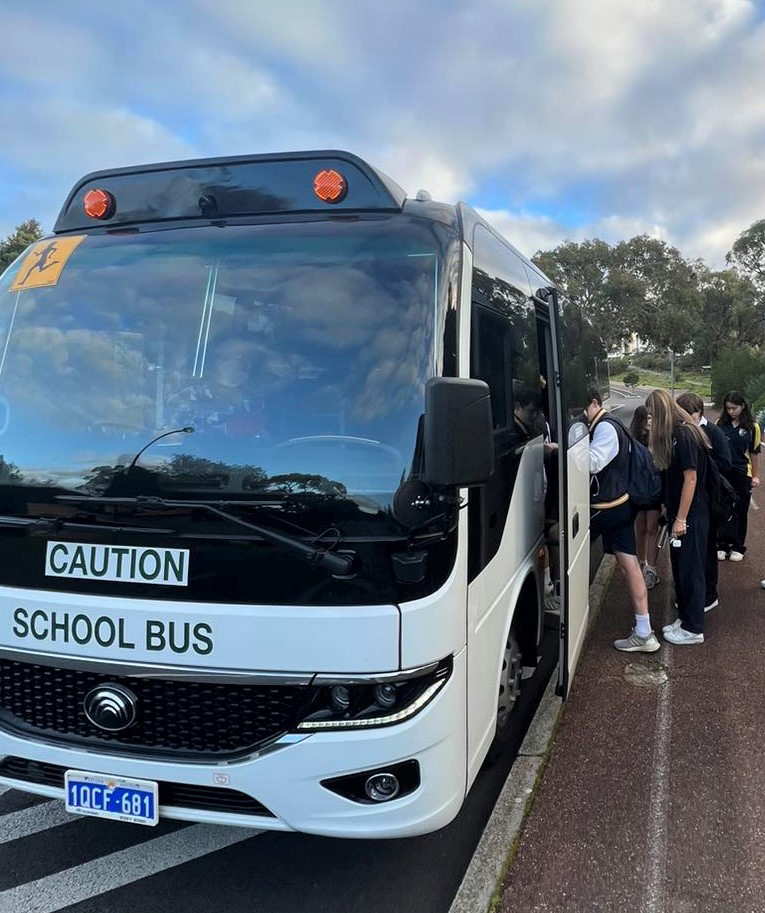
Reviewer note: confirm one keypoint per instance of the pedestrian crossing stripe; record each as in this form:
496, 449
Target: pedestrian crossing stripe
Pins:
44, 262
100, 875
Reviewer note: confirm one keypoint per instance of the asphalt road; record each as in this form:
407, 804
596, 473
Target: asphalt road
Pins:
623, 402
51, 861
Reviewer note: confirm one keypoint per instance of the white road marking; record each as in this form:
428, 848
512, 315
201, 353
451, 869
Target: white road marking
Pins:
656, 868
3, 789
32, 820
91, 879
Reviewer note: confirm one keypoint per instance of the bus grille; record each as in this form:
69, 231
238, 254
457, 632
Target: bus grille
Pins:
176, 718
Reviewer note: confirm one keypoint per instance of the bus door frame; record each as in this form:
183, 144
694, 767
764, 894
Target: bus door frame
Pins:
573, 501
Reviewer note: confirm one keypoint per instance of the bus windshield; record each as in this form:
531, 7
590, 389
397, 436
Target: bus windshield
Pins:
294, 355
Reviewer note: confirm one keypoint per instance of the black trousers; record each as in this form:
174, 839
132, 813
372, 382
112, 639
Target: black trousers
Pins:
712, 565
688, 566
732, 536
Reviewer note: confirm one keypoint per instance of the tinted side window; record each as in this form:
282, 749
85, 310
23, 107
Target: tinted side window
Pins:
505, 338
583, 357
504, 354
491, 345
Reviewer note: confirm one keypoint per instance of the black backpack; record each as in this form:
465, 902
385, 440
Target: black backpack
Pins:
722, 495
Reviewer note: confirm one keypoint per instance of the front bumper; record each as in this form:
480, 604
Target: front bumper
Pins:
285, 778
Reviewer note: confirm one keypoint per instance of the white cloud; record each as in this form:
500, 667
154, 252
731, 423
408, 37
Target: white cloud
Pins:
87, 137
650, 115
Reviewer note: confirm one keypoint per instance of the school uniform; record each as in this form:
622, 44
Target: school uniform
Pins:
611, 514
689, 559
720, 453
743, 443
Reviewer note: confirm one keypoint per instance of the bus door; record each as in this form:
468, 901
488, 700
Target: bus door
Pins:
568, 378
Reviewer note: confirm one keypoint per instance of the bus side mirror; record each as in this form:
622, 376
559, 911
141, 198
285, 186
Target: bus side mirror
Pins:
458, 432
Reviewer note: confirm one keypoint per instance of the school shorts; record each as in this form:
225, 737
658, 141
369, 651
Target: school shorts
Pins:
617, 527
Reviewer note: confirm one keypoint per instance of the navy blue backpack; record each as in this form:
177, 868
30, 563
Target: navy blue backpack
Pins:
643, 478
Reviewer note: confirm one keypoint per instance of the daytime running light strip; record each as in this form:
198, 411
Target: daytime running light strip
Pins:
378, 720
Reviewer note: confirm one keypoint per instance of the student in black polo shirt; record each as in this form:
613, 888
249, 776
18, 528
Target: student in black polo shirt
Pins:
720, 453
743, 435
680, 450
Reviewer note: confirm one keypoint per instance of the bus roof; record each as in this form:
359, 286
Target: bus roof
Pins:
235, 186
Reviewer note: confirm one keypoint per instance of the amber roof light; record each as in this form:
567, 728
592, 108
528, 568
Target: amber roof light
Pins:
98, 204
330, 186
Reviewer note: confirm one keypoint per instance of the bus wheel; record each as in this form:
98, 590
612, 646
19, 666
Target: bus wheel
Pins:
509, 680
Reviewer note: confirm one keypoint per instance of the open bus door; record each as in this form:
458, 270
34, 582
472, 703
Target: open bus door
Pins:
573, 367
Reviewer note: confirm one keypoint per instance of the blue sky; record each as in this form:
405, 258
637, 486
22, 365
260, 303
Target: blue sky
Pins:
559, 119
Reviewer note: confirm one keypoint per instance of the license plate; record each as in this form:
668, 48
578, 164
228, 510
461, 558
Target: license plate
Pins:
118, 798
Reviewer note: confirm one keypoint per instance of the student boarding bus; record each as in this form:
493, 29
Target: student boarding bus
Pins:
273, 496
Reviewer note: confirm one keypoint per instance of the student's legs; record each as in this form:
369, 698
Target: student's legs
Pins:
617, 526
651, 534
710, 567
640, 539
633, 575
688, 563
743, 486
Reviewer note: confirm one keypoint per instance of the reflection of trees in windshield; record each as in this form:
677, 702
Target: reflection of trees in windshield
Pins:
184, 472
181, 471
9, 472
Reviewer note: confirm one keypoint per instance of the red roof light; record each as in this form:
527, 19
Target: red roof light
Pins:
98, 204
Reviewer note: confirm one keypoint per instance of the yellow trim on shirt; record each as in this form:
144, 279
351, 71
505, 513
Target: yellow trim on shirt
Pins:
755, 444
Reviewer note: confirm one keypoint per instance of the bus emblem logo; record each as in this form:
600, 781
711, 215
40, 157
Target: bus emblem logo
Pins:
111, 707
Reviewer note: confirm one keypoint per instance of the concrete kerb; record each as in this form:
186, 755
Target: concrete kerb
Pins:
481, 886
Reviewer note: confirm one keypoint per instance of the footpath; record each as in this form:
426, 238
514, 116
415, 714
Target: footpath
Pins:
653, 796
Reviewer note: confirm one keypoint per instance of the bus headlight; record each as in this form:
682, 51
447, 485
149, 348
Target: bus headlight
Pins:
358, 704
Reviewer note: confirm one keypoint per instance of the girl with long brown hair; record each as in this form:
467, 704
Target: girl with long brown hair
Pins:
680, 450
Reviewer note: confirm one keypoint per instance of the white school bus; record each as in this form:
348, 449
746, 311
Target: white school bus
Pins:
273, 492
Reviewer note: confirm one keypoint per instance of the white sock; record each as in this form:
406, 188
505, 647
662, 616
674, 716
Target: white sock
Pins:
643, 625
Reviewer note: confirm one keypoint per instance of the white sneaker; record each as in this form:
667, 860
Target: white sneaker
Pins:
721, 554
634, 643
680, 637
762, 584
736, 556
671, 627
712, 605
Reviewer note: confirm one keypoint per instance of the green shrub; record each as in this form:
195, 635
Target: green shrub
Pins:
739, 369
632, 378
652, 361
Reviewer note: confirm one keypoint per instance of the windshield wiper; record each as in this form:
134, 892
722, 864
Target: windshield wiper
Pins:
313, 552
53, 524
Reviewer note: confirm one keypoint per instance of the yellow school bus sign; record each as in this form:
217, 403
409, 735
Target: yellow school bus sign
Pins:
45, 262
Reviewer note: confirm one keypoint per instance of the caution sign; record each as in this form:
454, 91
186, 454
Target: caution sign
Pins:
45, 262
